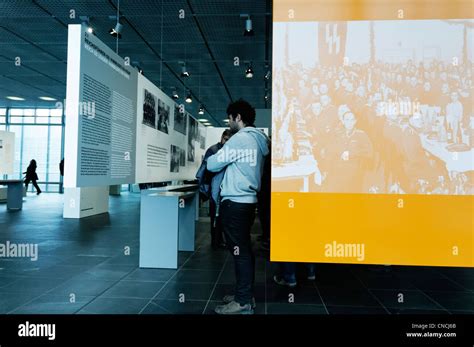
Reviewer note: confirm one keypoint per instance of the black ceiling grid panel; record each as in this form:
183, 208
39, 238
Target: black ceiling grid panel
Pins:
268, 50
208, 39
156, 30
209, 50
221, 22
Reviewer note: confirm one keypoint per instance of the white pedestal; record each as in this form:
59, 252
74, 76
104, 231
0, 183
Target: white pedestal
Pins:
85, 202
167, 225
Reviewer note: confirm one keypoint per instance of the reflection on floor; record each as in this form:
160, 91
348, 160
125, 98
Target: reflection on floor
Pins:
82, 268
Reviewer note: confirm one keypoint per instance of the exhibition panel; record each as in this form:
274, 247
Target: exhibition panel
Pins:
121, 128
100, 113
373, 133
168, 148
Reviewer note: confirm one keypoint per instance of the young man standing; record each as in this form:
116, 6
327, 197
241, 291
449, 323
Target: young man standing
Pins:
243, 158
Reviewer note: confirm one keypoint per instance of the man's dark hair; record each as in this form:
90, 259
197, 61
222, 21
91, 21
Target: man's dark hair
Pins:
242, 107
226, 132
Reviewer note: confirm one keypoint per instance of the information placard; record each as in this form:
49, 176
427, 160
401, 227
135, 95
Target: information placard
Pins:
100, 114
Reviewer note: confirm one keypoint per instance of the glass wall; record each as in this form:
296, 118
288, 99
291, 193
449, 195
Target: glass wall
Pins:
38, 136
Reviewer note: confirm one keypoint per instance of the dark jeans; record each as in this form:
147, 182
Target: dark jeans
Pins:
216, 225
237, 220
27, 181
288, 271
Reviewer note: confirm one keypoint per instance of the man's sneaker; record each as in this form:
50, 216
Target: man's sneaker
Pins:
229, 298
234, 308
281, 281
311, 277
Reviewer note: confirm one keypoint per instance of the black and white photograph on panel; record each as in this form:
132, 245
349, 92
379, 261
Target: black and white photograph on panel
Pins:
192, 133
179, 119
202, 138
182, 157
163, 116
174, 158
149, 109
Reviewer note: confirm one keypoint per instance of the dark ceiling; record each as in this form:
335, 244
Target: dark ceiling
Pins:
208, 39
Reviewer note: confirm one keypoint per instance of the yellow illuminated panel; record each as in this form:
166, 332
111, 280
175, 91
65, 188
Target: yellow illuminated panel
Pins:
373, 132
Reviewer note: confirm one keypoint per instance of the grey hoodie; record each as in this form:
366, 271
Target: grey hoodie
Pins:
242, 156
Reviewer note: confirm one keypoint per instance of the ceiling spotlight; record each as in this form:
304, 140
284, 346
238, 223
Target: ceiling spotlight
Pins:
207, 124
266, 97
225, 120
184, 71
175, 95
267, 75
46, 98
189, 98
117, 31
15, 98
86, 22
249, 71
202, 120
201, 111
248, 25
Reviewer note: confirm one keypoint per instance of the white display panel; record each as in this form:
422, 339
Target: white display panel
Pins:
7, 152
100, 114
169, 140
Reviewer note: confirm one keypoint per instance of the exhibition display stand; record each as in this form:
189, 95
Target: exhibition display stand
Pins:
167, 225
85, 202
14, 194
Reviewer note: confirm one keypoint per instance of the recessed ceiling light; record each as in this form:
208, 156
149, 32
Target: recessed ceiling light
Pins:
184, 71
226, 120
47, 98
249, 72
189, 98
202, 119
15, 98
207, 124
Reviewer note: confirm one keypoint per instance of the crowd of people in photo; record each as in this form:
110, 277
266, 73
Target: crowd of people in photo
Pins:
365, 124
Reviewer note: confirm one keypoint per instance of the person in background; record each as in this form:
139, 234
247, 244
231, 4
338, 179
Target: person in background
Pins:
32, 176
454, 111
287, 276
61, 167
350, 153
61, 172
209, 187
243, 158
